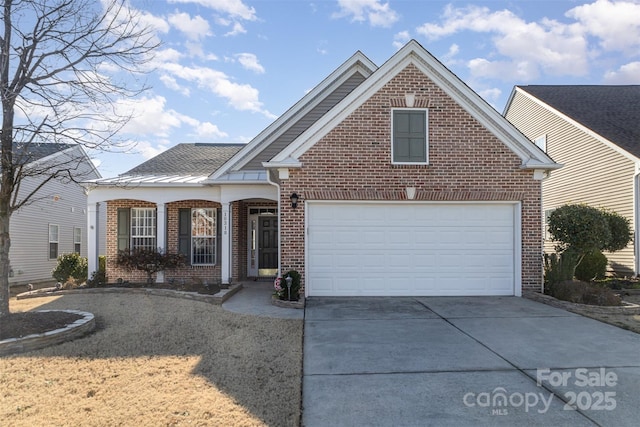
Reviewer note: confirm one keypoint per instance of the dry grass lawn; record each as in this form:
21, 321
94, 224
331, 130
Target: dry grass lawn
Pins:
157, 361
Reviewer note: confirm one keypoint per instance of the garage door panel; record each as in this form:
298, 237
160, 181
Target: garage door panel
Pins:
410, 249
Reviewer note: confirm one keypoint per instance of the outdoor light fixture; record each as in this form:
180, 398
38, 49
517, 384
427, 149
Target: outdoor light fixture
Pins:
294, 200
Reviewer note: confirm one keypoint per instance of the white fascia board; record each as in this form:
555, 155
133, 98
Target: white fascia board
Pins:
357, 63
414, 53
579, 125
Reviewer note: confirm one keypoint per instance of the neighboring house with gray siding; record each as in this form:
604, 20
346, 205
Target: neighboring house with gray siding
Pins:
594, 131
55, 221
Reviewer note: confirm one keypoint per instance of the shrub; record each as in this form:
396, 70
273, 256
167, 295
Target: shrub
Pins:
559, 267
281, 286
148, 260
592, 267
586, 229
99, 277
584, 293
70, 266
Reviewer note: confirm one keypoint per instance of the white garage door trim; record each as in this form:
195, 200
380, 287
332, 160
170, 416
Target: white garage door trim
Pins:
515, 207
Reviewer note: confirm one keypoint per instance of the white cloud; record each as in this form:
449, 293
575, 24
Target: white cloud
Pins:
615, 23
528, 47
242, 97
522, 71
172, 84
148, 150
250, 62
626, 74
148, 116
208, 130
237, 29
195, 28
235, 8
378, 14
400, 39
490, 95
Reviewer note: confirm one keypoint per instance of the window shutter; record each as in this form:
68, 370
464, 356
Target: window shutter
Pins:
184, 233
124, 228
409, 136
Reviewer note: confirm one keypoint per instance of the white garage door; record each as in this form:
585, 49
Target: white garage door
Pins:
412, 249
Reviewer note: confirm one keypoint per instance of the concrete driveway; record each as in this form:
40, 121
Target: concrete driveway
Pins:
464, 361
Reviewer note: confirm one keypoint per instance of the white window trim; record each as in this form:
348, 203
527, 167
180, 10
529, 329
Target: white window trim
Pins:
56, 241
426, 130
213, 236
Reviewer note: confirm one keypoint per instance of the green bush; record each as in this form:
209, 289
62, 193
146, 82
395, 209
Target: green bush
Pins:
559, 267
70, 266
592, 267
585, 229
295, 286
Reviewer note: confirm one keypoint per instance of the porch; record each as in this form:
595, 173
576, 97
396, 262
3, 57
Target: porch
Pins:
228, 233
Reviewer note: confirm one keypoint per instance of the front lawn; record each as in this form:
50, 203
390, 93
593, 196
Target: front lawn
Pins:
157, 361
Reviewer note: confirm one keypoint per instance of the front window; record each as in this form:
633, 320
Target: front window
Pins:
143, 228
203, 236
53, 241
409, 136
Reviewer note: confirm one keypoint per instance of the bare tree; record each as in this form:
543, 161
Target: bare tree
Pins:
59, 67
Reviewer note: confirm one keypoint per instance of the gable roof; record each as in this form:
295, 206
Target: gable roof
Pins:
300, 116
413, 53
25, 154
612, 112
187, 159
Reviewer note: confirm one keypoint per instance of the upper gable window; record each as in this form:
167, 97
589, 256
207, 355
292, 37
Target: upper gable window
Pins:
409, 140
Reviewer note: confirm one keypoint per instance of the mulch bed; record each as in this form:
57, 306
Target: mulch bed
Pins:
18, 325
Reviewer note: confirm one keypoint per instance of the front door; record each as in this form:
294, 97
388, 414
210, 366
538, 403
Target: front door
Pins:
267, 246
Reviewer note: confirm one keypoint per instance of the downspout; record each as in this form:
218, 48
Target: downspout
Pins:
636, 223
279, 225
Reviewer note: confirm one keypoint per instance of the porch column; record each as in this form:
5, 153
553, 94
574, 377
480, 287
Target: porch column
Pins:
226, 244
92, 237
161, 235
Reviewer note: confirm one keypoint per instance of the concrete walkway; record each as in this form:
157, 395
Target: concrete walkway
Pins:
465, 362
255, 299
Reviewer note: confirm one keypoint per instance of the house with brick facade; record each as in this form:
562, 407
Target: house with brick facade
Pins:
594, 132
390, 180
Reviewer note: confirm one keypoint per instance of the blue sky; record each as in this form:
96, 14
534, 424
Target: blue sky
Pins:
227, 68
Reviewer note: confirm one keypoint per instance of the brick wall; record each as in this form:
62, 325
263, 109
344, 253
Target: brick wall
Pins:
189, 273
466, 162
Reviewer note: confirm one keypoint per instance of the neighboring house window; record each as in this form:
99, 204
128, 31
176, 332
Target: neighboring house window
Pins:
547, 214
143, 228
53, 241
77, 239
409, 130
541, 142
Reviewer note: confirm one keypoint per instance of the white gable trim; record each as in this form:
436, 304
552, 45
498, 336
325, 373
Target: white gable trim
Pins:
575, 123
414, 53
357, 63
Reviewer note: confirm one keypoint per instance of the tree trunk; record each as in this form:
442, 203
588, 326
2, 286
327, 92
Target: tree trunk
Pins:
5, 244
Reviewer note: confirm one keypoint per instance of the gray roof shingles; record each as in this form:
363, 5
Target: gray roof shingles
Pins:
613, 112
187, 159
